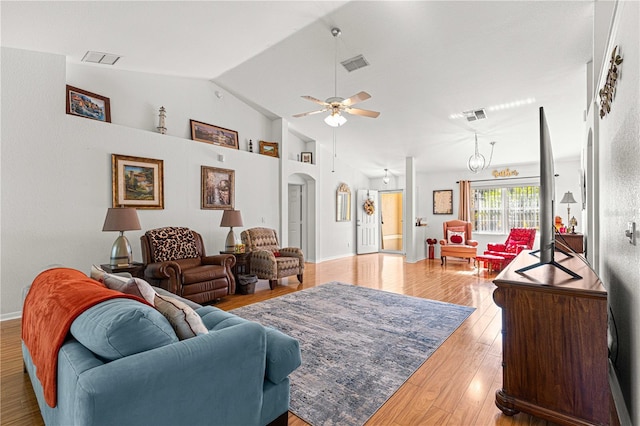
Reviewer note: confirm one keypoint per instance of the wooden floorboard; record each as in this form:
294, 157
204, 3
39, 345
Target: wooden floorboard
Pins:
454, 387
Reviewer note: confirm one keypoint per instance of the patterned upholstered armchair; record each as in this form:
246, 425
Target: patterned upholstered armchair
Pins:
268, 260
175, 260
519, 239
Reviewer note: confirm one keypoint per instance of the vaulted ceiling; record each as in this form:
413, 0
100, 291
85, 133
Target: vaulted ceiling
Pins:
428, 60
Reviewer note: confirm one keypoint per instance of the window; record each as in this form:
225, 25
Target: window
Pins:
496, 210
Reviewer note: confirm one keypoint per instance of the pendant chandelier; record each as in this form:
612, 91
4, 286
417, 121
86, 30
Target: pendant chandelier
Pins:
477, 162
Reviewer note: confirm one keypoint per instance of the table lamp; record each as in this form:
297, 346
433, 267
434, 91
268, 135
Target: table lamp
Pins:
231, 218
568, 199
121, 219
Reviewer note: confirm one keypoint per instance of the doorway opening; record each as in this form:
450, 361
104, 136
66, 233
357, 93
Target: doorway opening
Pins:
391, 225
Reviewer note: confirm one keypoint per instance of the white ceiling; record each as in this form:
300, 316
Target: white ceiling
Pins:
428, 60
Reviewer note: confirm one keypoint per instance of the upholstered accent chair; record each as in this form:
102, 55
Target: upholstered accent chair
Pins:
175, 260
457, 241
519, 239
268, 261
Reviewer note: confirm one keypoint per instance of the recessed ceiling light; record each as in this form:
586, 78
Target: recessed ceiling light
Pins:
100, 58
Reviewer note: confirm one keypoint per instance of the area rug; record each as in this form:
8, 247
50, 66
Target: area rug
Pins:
359, 345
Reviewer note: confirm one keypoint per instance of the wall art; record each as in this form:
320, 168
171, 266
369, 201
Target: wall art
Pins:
88, 105
443, 201
208, 133
217, 188
137, 182
269, 148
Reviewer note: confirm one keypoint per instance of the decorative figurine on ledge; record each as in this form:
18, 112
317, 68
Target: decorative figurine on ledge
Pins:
161, 124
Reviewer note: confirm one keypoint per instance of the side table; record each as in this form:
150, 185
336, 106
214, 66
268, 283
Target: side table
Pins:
136, 269
242, 265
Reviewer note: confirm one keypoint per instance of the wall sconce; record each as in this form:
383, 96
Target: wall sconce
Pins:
386, 178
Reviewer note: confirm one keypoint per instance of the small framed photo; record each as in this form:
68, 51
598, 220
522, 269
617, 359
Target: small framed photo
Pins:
269, 148
217, 188
88, 105
137, 182
443, 201
208, 133
306, 157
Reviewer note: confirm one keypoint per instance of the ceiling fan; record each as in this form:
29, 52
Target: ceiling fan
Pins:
336, 105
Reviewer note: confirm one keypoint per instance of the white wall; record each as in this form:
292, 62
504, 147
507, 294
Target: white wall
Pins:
56, 168
619, 179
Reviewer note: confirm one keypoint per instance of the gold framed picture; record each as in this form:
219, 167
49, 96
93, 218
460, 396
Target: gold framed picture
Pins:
208, 133
269, 148
137, 182
217, 188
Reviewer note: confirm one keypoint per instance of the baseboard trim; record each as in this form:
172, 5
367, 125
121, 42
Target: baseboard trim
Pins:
10, 316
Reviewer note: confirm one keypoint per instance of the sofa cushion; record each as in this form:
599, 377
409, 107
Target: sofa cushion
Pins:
136, 286
120, 327
455, 237
182, 318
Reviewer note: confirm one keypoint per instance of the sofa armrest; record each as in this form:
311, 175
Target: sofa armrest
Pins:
293, 252
496, 247
166, 274
443, 242
227, 260
283, 355
189, 382
472, 243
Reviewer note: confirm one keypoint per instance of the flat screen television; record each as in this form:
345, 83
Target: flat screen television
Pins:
547, 203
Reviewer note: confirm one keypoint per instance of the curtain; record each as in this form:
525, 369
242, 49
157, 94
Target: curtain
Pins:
464, 211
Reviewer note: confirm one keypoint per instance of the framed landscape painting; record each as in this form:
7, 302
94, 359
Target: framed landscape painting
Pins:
208, 133
217, 188
269, 148
88, 105
137, 182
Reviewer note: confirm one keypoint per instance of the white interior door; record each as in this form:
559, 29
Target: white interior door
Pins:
295, 216
367, 225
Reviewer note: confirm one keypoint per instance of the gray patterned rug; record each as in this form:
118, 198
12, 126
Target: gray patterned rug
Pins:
359, 345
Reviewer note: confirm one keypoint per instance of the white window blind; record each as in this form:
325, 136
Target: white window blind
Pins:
497, 209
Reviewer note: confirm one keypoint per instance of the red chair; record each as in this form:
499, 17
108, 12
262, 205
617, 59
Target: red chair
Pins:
519, 239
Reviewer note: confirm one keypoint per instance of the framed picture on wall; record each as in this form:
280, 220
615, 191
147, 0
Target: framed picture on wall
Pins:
269, 148
137, 182
88, 105
443, 201
208, 133
217, 188
306, 157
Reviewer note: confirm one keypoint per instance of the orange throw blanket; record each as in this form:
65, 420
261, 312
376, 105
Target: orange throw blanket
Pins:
56, 298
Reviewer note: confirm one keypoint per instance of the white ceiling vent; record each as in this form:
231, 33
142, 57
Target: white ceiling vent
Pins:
478, 114
100, 58
355, 63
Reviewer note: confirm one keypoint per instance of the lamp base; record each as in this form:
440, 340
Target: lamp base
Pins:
230, 243
121, 252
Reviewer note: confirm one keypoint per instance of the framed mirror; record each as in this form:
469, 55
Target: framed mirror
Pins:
343, 203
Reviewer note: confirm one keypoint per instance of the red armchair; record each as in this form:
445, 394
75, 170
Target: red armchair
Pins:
457, 241
519, 239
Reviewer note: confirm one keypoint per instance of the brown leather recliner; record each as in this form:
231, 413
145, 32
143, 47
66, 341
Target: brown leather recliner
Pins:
175, 260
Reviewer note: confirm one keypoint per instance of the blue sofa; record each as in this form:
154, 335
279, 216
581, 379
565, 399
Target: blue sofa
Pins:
124, 365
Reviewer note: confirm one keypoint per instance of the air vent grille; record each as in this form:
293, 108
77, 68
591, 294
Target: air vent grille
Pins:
478, 114
355, 63
100, 58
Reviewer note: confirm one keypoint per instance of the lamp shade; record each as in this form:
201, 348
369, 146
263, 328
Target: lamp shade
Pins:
568, 198
231, 218
121, 219
335, 120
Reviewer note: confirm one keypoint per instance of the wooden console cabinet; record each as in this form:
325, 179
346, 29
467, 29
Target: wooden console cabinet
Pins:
573, 242
554, 342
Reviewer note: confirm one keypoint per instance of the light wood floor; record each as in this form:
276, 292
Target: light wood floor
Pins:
455, 386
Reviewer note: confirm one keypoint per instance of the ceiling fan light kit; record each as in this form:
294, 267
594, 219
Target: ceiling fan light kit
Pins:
336, 105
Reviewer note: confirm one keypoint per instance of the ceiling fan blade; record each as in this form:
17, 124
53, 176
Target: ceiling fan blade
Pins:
359, 97
316, 100
304, 114
362, 112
